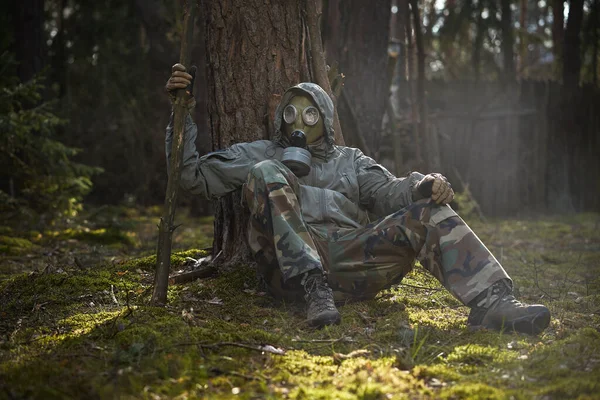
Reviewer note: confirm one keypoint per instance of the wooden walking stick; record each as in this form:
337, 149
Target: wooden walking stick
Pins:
166, 227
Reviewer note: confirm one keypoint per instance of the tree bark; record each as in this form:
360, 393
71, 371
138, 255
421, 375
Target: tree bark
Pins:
507, 42
318, 65
429, 159
558, 33
360, 48
410, 77
523, 39
595, 26
29, 39
478, 44
572, 45
398, 36
255, 51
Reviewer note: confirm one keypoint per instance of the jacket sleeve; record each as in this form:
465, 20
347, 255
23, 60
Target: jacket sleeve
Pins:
214, 174
380, 192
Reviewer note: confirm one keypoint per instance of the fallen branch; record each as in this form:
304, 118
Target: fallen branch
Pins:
421, 287
345, 339
199, 273
263, 349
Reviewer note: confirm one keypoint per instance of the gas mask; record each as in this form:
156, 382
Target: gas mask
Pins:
303, 125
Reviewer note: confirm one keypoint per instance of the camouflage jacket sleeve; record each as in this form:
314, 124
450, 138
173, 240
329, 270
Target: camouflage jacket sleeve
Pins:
381, 193
213, 174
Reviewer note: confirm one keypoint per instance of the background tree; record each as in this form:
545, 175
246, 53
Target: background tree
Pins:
107, 61
572, 50
356, 35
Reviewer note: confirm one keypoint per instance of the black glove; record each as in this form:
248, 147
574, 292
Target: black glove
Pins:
180, 79
435, 186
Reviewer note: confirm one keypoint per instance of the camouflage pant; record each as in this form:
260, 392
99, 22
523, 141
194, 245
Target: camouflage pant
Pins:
360, 262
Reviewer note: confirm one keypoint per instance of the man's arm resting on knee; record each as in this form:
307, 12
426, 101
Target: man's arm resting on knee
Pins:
381, 192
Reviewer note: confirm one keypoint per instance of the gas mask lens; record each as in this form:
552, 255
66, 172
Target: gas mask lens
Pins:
310, 115
289, 114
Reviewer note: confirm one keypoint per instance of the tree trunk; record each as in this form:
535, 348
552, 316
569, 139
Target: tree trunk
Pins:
523, 39
410, 77
29, 39
398, 36
507, 42
430, 156
360, 48
318, 67
478, 44
255, 51
558, 33
572, 44
595, 23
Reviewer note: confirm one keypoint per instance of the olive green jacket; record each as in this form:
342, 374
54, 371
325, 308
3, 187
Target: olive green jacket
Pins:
342, 187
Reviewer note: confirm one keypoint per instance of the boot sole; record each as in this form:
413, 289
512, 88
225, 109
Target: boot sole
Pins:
531, 326
325, 320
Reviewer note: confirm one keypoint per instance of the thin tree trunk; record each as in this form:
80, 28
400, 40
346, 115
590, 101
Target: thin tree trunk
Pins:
572, 45
595, 26
429, 160
166, 227
558, 33
319, 68
360, 48
523, 39
398, 30
399, 36
410, 76
507, 41
60, 65
478, 44
29, 39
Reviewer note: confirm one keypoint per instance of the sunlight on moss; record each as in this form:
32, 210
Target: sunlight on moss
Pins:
148, 263
15, 246
473, 391
91, 333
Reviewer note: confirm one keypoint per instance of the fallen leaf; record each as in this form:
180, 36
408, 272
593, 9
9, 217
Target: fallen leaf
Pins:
273, 350
216, 301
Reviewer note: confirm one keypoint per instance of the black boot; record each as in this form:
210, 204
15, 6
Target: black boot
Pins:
496, 308
319, 299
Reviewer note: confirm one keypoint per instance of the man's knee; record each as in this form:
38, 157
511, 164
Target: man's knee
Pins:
427, 212
271, 172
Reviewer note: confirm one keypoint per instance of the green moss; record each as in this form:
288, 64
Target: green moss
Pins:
63, 335
15, 246
105, 236
178, 258
473, 391
475, 354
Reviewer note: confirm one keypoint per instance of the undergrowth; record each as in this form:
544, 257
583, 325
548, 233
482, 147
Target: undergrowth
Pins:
77, 331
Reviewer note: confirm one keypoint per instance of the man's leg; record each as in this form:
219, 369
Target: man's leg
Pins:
386, 249
279, 238
448, 249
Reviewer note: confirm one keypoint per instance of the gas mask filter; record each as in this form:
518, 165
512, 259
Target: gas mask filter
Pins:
303, 126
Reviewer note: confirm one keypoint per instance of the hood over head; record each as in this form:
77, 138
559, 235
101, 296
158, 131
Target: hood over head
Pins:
323, 102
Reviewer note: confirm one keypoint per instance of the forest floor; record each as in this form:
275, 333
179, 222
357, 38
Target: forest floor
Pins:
75, 322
